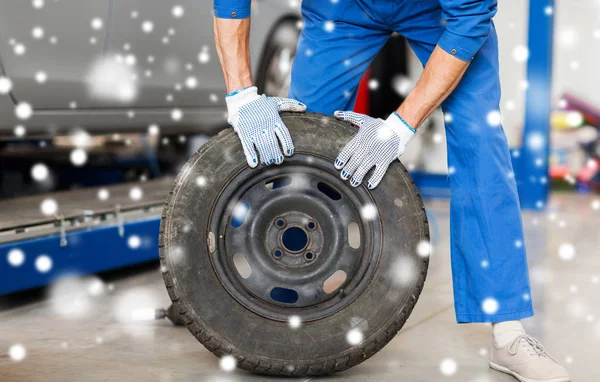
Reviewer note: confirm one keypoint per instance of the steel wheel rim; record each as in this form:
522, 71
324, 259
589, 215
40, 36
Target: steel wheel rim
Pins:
256, 295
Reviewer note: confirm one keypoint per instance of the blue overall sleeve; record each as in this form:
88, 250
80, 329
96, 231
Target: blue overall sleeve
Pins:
232, 9
469, 23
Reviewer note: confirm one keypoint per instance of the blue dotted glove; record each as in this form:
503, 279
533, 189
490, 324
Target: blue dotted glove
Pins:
378, 143
257, 122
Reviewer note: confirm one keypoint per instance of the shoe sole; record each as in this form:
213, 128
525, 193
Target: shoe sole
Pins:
523, 379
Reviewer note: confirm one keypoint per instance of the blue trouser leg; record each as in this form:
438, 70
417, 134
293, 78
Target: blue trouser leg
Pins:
489, 267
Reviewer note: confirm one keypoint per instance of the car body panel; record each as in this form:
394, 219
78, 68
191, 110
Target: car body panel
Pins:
203, 107
62, 51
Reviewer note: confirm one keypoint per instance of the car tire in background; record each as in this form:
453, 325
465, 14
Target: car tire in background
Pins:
275, 69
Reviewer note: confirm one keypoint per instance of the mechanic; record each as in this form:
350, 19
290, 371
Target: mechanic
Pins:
456, 42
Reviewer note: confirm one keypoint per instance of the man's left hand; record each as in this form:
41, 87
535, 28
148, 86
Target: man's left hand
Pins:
378, 143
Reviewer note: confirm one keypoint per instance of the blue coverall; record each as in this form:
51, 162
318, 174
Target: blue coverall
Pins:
339, 40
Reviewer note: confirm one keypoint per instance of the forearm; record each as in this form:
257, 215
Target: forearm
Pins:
441, 75
232, 39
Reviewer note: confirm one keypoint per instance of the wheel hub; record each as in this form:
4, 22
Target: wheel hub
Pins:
292, 240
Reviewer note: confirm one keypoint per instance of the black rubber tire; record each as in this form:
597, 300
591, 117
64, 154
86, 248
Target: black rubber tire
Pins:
262, 345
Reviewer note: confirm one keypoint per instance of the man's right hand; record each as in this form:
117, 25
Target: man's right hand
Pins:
257, 122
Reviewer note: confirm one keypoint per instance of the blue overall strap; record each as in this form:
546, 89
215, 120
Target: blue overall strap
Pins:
232, 9
469, 23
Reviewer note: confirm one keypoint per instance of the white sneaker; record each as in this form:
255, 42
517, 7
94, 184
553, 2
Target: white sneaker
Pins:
526, 360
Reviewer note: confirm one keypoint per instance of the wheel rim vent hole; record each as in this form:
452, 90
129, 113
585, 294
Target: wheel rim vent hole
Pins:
280, 182
331, 193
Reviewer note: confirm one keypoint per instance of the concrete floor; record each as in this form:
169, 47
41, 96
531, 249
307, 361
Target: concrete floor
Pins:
70, 336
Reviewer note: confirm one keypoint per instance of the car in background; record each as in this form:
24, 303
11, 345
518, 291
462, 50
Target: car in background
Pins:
119, 66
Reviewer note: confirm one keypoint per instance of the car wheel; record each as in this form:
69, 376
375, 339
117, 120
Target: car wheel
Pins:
288, 269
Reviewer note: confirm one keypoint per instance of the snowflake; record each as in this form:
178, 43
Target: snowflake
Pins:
424, 248
134, 242
191, 82
19, 49
535, 141
520, 53
143, 314
574, 65
574, 118
153, 130
103, 194
490, 305
228, 363
484, 264
177, 11
402, 85
176, 115
354, 337
41, 77
17, 352
568, 37
78, 157
49, 207
368, 212
294, 322
130, 60
403, 271
43, 263
15, 257
566, 251
147, 26
204, 56
39, 172
448, 367
37, 33
448, 117
373, 84
494, 118
97, 23
201, 181
112, 78
136, 193
548, 10
5, 85
329, 26
595, 204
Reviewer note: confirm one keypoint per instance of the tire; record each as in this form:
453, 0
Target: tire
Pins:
227, 325
281, 46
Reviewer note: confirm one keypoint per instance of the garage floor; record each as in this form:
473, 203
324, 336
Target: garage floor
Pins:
70, 336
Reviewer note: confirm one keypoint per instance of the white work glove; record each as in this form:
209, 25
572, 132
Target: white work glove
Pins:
378, 143
257, 122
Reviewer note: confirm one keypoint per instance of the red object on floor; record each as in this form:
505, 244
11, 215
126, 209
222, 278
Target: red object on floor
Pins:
362, 99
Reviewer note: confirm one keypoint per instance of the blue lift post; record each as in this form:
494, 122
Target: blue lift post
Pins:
531, 165
530, 161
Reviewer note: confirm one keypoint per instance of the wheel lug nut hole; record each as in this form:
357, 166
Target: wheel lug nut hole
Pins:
279, 223
278, 254
309, 256
311, 225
